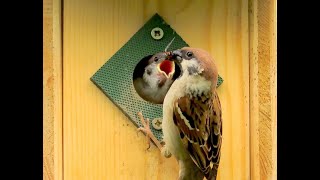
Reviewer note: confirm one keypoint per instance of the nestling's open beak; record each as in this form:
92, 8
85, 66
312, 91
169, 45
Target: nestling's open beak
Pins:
167, 68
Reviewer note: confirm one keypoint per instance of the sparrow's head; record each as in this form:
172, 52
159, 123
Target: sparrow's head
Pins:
195, 61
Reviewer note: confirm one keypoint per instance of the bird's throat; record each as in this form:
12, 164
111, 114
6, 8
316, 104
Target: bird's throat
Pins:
167, 68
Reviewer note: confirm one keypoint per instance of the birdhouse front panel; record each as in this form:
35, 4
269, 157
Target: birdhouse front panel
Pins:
102, 42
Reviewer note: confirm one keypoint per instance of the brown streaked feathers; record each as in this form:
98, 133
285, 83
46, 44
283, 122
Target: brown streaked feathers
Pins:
204, 140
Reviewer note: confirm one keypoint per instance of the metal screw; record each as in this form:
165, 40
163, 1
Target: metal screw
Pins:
157, 123
157, 33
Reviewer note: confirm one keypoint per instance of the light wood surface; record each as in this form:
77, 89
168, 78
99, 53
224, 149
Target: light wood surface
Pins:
263, 89
52, 91
96, 141
99, 141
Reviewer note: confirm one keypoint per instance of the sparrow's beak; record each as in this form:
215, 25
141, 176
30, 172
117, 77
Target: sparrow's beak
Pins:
175, 55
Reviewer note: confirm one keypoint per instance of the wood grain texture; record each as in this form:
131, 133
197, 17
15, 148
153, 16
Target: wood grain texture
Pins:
254, 93
52, 90
273, 89
101, 143
97, 150
48, 105
263, 89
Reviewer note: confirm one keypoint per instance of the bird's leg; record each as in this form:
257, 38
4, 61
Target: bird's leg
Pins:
146, 129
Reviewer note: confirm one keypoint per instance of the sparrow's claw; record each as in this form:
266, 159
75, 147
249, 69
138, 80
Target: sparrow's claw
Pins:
146, 129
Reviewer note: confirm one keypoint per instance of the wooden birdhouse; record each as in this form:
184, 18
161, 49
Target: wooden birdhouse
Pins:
91, 50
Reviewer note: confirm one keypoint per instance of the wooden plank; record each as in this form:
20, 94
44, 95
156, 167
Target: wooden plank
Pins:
254, 93
48, 121
99, 141
52, 91
228, 43
273, 86
263, 94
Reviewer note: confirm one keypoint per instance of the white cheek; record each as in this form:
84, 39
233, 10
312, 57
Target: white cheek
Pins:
195, 83
185, 64
190, 63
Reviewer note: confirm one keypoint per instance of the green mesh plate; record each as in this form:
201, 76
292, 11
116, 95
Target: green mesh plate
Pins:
114, 78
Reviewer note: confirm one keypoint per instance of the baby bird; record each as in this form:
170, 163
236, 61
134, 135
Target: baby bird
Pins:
153, 77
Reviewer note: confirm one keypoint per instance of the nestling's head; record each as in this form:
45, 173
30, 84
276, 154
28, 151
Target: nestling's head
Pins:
195, 61
160, 68
153, 76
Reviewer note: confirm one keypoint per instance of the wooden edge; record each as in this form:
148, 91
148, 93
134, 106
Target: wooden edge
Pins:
273, 50
53, 152
58, 64
253, 90
52, 91
254, 24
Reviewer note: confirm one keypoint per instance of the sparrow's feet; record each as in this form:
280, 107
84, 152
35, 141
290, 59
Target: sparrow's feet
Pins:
146, 129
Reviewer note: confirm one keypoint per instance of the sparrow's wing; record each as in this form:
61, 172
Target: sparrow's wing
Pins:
198, 119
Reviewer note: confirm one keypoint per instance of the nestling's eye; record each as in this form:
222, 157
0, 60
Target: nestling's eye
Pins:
189, 54
156, 59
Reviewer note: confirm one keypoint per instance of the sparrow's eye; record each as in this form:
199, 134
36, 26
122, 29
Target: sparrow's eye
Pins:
156, 59
189, 54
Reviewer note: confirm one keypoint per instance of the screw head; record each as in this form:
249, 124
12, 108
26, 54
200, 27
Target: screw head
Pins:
157, 123
157, 33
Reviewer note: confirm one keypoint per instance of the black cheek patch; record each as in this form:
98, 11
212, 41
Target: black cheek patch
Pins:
192, 70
